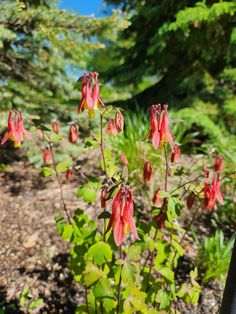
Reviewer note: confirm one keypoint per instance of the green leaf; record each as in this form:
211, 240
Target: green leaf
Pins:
133, 254
35, 304
63, 166
178, 247
109, 305
87, 193
103, 289
47, 171
67, 232
104, 215
167, 273
55, 138
91, 274
163, 299
134, 300
100, 253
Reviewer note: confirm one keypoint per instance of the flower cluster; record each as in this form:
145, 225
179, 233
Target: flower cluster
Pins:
91, 99
159, 131
15, 129
212, 192
121, 219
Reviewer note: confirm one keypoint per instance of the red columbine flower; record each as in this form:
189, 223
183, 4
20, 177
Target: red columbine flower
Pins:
212, 193
157, 200
122, 215
55, 127
124, 159
47, 156
111, 128
73, 133
119, 121
69, 174
147, 172
159, 132
91, 99
175, 155
15, 129
218, 166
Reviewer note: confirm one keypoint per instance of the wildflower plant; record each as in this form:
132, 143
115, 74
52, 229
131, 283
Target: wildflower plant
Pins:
125, 260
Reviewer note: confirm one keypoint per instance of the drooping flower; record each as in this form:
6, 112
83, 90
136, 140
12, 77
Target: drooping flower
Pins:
69, 174
73, 133
47, 156
55, 127
119, 121
175, 155
91, 99
159, 127
121, 219
111, 128
218, 166
124, 159
212, 193
157, 200
147, 172
15, 129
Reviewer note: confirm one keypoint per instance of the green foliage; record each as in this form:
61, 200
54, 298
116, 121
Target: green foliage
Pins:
214, 255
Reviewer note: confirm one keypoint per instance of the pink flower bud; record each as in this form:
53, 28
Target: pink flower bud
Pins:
157, 200
218, 166
111, 128
123, 159
147, 172
119, 121
73, 133
47, 156
175, 155
69, 174
55, 127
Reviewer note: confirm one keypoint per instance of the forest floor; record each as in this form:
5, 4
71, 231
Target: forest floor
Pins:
33, 256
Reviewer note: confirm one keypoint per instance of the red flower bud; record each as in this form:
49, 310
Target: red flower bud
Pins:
119, 121
175, 155
187, 248
55, 127
218, 166
73, 133
157, 200
69, 174
160, 220
103, 198
111, 128
147, 172
190, 200
47, 156
123, 159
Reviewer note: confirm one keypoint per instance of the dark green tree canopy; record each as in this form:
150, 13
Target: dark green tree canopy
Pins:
189, 46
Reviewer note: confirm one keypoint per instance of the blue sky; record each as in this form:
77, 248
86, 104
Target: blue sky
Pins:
83, 7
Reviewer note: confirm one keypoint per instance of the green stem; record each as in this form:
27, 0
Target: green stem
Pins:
119, 285
59, 182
